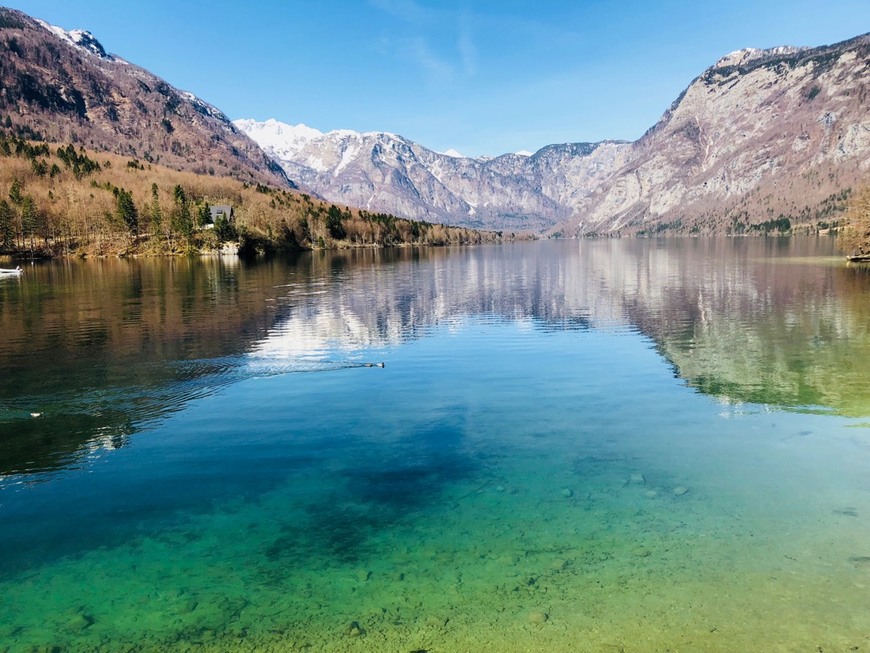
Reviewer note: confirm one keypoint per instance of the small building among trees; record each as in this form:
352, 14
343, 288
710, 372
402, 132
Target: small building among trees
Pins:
219, 213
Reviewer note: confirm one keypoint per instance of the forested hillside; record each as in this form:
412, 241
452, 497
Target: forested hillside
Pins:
60, 199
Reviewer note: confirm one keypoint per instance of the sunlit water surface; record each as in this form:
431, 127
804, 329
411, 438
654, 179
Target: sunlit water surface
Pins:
572, 446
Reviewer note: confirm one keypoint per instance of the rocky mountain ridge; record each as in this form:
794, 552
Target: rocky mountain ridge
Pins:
376, 170
62, 86
761, 137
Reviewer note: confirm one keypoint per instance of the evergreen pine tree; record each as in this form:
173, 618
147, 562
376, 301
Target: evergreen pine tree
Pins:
15, 192
156, 212
203, 215
28, 218
181, 219
126, 211
7, 223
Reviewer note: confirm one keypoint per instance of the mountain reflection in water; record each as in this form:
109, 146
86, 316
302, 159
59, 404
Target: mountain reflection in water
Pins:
98, 349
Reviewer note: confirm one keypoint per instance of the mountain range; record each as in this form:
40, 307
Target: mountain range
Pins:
760, 137
380, 171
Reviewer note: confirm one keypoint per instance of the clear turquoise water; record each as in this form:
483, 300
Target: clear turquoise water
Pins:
593, 446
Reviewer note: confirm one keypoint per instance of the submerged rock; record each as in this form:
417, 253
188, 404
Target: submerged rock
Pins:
680, 490
637, 479
436, 621
354, 629
80, 622
363, 575
567, 493
538, 617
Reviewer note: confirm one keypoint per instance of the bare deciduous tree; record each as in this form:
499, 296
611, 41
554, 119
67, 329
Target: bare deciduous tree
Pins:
855, 237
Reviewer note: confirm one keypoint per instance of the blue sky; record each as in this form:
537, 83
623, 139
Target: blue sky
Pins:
482, 77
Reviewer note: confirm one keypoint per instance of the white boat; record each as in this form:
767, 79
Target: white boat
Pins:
17, 270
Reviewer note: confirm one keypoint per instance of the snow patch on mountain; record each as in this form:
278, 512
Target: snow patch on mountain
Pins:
204, 107
285, 141
349, 153
79, 38
748, 55
278, 139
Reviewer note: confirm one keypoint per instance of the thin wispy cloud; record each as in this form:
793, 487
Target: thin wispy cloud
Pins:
440, 43
416, 51
438, 69
466, 46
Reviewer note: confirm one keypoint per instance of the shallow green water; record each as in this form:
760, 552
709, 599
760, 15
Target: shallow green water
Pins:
573, 446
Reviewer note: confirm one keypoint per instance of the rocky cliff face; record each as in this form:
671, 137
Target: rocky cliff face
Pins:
761, 135
63, 87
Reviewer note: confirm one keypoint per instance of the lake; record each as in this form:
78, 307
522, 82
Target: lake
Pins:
614, 445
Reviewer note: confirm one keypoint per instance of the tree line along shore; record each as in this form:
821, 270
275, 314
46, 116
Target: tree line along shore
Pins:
60, 200
63, 200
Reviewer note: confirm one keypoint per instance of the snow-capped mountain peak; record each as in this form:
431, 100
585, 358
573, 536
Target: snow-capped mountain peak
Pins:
278, 138
453, 153
382, 171
204, 107
748, 55
80, 38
